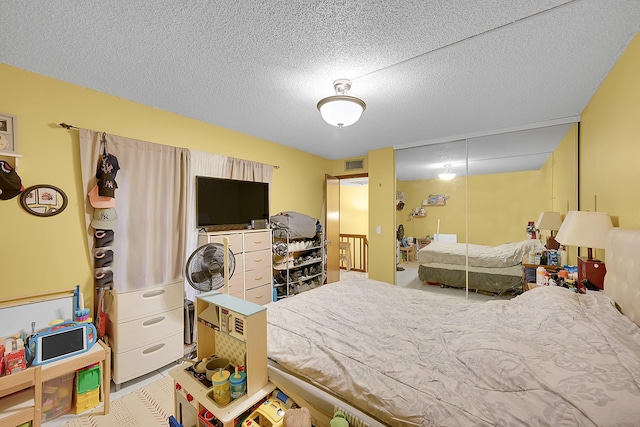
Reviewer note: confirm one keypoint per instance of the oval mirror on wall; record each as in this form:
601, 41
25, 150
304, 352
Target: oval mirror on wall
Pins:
43, 200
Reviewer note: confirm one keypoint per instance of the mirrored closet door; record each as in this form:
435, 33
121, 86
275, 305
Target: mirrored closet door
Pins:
501, 183
431, 181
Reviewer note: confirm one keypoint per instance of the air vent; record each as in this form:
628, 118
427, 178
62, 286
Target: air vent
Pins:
239, 326
354, 164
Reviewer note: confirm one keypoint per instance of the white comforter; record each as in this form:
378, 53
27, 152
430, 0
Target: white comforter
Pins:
504, 255
548, 357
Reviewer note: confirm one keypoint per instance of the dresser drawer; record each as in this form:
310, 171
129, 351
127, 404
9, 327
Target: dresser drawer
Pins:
257, 241
235, 241
257, 277
261, 295
257, 259
135, 333
144, 302
236, 285
139, 361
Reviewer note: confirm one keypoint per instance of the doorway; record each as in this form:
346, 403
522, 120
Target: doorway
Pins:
354, 225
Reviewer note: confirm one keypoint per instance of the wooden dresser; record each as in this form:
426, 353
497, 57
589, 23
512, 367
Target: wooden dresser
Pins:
145, 329
252, 279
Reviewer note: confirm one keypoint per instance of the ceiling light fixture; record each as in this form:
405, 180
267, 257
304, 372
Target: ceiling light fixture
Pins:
447, 175
340, 109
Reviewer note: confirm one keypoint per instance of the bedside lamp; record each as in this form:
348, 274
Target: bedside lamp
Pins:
550, 221
586, 229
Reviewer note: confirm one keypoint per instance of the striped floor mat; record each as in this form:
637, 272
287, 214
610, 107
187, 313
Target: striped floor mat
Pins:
149, 406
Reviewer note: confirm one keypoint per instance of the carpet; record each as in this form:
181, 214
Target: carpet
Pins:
150, 405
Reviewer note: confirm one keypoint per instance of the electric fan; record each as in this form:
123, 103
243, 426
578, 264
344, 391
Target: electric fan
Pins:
206, 269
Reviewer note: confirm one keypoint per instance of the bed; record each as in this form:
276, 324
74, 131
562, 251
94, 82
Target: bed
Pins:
404, 357
492, 269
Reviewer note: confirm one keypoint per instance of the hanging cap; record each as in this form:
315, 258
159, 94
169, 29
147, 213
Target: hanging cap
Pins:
107, 186
104, 219
10, 182
98, 201
108, 163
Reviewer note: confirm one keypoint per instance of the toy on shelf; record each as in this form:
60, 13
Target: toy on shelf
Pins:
269, 414
14, 356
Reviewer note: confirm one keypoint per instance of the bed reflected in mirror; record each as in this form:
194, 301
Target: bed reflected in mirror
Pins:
502, 182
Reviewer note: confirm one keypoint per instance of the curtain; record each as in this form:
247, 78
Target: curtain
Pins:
150, 234
246, 170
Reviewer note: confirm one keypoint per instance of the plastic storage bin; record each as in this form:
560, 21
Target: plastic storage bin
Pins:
86, 401
57, 396
87, 391
88, 379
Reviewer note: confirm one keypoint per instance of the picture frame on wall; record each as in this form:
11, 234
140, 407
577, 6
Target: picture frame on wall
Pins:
30, 198
47, 196
437, 200
8, 140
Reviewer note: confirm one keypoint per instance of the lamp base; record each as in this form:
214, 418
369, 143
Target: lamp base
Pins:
593, 270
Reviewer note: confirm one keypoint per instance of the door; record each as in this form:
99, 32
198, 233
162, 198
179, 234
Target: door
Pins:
332, 226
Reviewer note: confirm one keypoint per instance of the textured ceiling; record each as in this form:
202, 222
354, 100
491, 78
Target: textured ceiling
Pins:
429, 71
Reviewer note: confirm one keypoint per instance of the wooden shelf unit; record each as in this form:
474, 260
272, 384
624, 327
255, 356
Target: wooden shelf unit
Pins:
21, 392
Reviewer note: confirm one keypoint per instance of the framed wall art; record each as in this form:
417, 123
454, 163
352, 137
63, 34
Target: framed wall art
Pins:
8, 141
43, 200
437, 200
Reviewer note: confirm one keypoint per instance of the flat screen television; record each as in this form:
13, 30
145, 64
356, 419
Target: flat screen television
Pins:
228, 203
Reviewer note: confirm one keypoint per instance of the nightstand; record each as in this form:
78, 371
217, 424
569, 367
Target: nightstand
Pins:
529, 286
549, 268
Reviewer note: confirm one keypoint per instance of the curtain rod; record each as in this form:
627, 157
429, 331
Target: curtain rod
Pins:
68, 126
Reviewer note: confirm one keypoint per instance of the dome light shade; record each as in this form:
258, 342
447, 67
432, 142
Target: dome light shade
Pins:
340, 109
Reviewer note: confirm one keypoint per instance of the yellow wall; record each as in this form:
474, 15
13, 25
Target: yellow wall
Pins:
354, 209
382, 196
499, 206
37, 254
452, 215
610, 144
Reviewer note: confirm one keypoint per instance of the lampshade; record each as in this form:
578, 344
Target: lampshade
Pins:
586, 229
549, 221
448, 174
340, 109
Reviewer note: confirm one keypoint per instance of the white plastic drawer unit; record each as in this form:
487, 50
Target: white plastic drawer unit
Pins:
144, 302
257, 241
141, 360
138, 332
